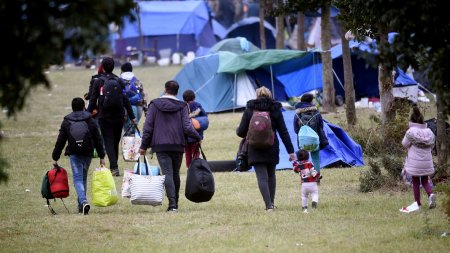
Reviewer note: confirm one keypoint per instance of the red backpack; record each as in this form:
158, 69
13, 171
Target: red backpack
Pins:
260, 134
55, 184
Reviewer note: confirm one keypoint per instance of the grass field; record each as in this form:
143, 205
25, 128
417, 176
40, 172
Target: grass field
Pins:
233, 221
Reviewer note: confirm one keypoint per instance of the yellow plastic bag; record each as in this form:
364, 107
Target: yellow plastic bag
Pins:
104, 191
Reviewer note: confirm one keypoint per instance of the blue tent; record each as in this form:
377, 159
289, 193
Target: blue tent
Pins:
224, 80
342, 149
365, 77
249, 29
179, 25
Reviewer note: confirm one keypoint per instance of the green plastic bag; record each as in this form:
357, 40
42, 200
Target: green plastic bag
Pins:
104, 191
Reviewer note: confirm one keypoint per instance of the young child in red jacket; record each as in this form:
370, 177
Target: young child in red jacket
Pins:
309, 177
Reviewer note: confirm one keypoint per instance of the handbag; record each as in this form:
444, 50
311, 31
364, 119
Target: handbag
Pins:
131, 142
144, 168
104, 191
146, 190
126, 193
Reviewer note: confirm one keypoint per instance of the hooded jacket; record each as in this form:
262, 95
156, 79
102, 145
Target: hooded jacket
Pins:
271, 155
419, 140
64, 132
133, 88
167, 125
316, 123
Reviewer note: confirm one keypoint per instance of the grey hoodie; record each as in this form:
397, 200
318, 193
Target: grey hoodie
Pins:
167, 125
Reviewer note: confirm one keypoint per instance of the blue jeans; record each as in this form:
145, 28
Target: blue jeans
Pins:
137, 111
80, 166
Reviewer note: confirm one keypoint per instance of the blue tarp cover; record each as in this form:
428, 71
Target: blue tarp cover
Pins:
342, 147
167, 18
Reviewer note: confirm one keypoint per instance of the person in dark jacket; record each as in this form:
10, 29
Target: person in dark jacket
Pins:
264, 161
307, 111
110, 120
80, 159
166, 128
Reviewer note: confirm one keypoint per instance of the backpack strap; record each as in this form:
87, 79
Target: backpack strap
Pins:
307, 123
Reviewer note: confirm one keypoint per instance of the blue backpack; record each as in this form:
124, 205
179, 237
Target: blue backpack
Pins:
308, 139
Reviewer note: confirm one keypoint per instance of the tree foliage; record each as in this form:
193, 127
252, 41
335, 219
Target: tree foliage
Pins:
38, 33
423, 37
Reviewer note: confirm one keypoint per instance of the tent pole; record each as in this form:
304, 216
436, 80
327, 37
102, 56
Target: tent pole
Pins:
271, 79
234, 92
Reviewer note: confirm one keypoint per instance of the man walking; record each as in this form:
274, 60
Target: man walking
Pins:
165, 130
108, 99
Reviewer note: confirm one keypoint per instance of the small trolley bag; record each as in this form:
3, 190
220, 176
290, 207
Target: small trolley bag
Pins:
55, 184
199, 181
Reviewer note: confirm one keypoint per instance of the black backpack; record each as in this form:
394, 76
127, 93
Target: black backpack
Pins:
112, 92
79, 136
200, 185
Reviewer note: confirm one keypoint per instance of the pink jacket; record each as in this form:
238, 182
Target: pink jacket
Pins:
419, 140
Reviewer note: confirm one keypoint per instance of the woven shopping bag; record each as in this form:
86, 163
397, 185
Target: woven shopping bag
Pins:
147, 190
131, 142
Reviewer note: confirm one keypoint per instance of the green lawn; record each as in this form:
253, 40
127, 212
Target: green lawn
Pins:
233, 221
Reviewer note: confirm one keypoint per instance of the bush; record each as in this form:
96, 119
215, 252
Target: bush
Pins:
393, 166
372, 179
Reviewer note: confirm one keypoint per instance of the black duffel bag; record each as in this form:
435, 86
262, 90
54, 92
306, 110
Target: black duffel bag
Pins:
200, 185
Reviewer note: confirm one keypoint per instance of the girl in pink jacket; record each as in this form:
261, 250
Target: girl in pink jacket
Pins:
419, 140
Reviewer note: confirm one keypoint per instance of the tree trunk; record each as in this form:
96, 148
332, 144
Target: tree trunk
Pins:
385, 84
442, 141
301, 31
350, 110
262, 31
327, 66
280, 28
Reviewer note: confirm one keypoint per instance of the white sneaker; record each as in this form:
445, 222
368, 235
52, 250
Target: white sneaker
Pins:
411, 208
432, 201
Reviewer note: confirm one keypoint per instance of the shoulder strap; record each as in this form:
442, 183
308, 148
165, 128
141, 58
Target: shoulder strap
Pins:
312, 118
199, 147
300, 120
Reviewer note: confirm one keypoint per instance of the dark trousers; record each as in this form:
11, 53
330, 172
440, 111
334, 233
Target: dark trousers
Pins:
267, 182
170, 163
111, 132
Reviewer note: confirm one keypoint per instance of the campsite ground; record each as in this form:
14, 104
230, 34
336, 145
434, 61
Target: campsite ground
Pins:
233, 221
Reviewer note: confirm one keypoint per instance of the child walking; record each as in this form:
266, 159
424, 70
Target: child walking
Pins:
309, 177
195, 110
82, 135
419, 140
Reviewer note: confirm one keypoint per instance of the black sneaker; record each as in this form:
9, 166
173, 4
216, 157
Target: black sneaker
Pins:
86, 208
314, 204
115, 172
172, 210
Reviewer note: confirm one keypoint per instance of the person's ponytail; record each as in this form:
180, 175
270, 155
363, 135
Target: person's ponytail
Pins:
416, 116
